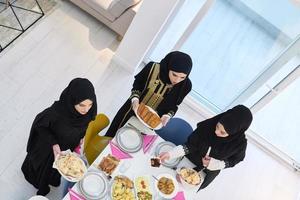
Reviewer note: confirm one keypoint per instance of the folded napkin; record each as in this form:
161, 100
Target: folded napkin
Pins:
77, 149
179, 196
118, 153
148, 140
74, 195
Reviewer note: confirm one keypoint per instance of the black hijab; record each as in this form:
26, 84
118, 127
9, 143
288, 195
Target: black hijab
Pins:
78, 90
235, 121
176, 61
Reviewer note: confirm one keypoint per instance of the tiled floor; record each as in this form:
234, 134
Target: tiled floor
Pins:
67, 44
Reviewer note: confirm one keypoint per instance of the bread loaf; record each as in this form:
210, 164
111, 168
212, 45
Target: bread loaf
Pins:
150, 118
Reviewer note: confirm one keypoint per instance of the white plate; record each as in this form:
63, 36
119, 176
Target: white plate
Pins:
165, 147
94, 185
159, 126
167, 196
129, 140
69, 178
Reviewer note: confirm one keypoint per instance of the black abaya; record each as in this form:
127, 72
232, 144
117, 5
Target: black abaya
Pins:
144, 81
59, 124
231, 149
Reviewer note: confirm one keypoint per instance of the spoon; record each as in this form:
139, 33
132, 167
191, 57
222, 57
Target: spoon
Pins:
135, 128
155, 177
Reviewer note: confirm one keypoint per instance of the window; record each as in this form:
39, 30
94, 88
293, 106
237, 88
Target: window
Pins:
242, 52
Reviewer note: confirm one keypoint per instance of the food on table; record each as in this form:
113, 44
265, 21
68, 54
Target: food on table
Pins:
143, 188
149, 117
70, 165
122, 188
190, 176
144, 195
108, 164
155, 162
166, 185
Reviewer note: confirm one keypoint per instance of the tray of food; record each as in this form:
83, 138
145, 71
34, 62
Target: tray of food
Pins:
108, 164
122, 188
148, 117
70, 166
142, 188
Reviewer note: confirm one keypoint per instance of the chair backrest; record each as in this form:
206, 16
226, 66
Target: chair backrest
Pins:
176, 131
101, 121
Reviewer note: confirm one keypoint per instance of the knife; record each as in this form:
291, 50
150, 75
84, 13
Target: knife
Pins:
208, 151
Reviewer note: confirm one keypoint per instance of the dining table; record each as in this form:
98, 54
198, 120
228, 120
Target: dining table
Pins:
139, 165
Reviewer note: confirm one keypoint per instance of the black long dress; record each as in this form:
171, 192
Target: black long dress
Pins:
59, 124
153, 87
230, 149
172, 96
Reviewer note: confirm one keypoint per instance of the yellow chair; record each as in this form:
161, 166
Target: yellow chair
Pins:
94, 143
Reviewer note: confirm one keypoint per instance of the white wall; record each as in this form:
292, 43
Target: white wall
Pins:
144, 29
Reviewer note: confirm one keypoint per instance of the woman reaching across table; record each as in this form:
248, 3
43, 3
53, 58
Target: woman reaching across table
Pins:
217, 143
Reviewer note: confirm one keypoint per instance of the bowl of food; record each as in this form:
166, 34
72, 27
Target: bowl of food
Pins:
166, 186
189, 177
122, 188
148, 117
70, 166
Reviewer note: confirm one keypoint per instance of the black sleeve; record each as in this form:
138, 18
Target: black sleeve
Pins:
40, 135
192, 143
236, 158
47, 136
140, 81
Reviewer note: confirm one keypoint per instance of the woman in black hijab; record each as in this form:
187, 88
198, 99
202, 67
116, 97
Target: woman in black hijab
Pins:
58, 128
162, 86
224, 135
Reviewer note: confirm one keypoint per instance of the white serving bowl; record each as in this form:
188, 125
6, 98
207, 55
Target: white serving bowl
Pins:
167, 196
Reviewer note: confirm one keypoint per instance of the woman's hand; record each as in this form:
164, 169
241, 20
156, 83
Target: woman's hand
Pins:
205, 161
165, 119
215, 164
56, 150
135, 104
164, 156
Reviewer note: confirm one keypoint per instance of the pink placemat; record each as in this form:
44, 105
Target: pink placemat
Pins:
179, 196
148, 140
74, 195
118, 153
77, 149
